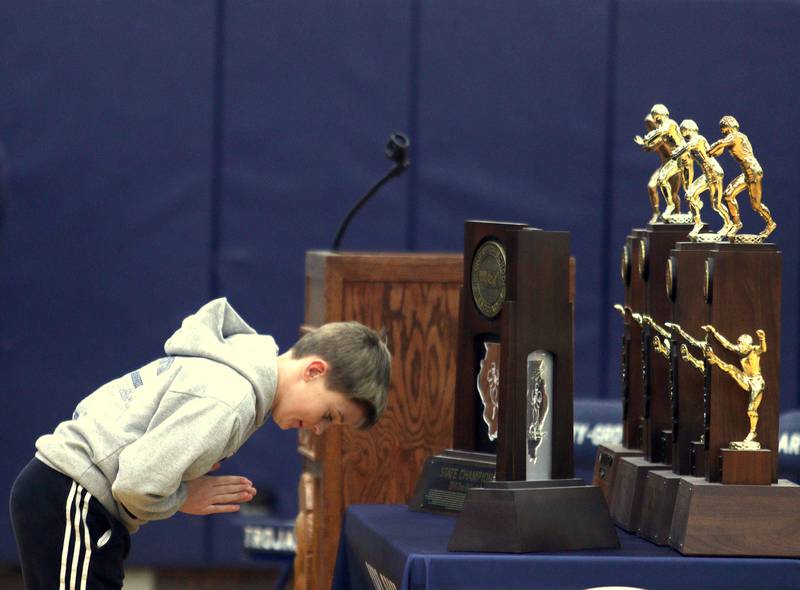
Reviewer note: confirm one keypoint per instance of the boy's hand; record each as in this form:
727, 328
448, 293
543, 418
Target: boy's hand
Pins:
210, 494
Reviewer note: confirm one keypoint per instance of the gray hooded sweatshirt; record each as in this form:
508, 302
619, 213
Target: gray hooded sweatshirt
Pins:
136, 441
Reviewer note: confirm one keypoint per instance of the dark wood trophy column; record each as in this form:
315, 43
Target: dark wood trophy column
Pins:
631, 374
739, 507
514, 391
684, 278
647, 309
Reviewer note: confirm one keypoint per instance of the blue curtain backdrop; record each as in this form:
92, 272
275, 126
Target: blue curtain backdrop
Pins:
160, 154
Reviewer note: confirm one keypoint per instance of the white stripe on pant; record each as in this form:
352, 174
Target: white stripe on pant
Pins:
74, 524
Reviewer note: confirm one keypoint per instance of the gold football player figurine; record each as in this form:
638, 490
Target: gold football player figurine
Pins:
692, 360
748, 377
740, 149
696, 147
685, 354
662, 138
661, 346
645, 320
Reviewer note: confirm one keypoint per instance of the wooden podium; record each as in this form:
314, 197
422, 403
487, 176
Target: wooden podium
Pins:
414, 297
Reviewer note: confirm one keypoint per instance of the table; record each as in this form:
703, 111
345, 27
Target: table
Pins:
388, 546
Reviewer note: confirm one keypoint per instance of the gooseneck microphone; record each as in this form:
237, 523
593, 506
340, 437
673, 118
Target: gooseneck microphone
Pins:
396, 150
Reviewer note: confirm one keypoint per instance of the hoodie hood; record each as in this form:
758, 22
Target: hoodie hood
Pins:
218, 333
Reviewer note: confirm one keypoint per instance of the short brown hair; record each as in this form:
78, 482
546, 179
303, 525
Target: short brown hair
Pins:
360, 363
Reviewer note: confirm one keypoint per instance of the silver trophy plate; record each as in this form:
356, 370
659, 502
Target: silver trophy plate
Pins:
539, 419
489, 386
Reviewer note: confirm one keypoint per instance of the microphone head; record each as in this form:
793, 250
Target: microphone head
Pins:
397, 148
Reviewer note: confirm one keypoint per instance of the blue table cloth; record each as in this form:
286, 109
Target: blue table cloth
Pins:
389, 546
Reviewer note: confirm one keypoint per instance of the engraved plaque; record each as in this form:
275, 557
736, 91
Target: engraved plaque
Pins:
488, 278
446, 478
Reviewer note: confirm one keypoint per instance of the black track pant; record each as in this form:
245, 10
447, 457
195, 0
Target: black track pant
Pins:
66, 539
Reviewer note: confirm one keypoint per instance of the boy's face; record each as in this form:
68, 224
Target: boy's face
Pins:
308, 404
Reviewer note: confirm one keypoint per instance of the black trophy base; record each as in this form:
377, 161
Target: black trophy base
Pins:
605, 466
658, 506
736, 520
628, 493
534, 516
442, 486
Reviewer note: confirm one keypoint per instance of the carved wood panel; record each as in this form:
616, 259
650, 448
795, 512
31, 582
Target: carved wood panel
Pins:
382, 465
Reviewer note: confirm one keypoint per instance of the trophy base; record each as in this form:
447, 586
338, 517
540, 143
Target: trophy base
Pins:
709, 238
748, 239
628, 492
605, 466
746, 467
442, 486
697, 458
680, 218
534, 516
658, 505
745, 445
736, 520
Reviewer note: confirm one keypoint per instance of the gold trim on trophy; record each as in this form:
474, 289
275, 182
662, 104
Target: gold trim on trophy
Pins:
670, 277
625, 264
643, 262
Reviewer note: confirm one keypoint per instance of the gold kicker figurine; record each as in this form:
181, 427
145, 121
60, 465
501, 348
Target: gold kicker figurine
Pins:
661, 346
748, 377
663, 137
740, 149
697, 147
685, 354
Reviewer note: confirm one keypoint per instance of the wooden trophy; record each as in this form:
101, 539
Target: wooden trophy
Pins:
725, 414
647, 250
740, 507
514, 392
609, 454
690, 391
647, 308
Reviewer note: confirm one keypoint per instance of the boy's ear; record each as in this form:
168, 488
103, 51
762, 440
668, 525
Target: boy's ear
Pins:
314, 368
